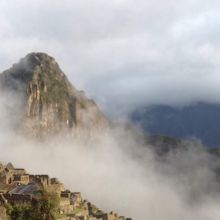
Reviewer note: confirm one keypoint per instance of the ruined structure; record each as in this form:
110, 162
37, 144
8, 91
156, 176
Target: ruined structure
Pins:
19, 187
9, 175
50, 101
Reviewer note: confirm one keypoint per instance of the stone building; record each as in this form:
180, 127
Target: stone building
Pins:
76, 198
56, 186
21, 179
18, 171
16, 198
9, 166
9, 175
43, 180
1, 167
65, 206
3, 214
6, 176
110, 216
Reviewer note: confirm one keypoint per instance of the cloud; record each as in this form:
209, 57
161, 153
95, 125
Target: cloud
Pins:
117, 172
123, 53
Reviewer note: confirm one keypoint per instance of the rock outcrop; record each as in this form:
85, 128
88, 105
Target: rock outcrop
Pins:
50, 101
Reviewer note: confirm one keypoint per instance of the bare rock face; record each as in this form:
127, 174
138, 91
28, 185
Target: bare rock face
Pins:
50, 102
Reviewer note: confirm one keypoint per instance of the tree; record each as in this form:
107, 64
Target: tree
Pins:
48, 204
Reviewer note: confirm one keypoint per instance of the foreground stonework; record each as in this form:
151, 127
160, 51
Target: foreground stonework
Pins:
19, 187
51, 103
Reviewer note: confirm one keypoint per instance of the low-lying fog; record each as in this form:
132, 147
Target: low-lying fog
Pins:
116, 172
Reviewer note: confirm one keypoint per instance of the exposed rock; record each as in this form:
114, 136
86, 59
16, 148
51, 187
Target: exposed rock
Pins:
51, 103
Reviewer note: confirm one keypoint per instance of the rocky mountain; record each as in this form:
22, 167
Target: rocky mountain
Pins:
44, 102
200, 120
50, 102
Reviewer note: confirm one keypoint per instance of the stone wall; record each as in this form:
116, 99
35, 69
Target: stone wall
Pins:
44, 180
3, 215
17, 198
21, 179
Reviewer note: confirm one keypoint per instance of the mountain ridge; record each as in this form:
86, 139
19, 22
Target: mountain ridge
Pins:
199, 120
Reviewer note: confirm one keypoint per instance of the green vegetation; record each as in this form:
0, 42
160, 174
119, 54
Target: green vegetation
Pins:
21, 212
45, 208
77, 210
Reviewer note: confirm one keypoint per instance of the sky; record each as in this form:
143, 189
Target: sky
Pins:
123, 53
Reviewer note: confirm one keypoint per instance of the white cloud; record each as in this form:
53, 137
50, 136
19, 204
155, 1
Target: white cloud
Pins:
124, 53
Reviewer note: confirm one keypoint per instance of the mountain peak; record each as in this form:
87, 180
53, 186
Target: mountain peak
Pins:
51, 101
38, 59
39, 55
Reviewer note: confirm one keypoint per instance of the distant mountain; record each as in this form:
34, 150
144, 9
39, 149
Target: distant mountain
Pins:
200, 120
50, 101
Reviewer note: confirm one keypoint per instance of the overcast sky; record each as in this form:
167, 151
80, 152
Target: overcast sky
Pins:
123, 53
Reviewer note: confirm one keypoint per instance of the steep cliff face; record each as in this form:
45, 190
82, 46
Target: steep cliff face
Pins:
51, 103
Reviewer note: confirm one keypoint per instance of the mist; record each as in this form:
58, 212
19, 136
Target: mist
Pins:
117, 171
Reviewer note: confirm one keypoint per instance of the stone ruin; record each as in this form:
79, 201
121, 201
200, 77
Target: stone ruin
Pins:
17, 186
